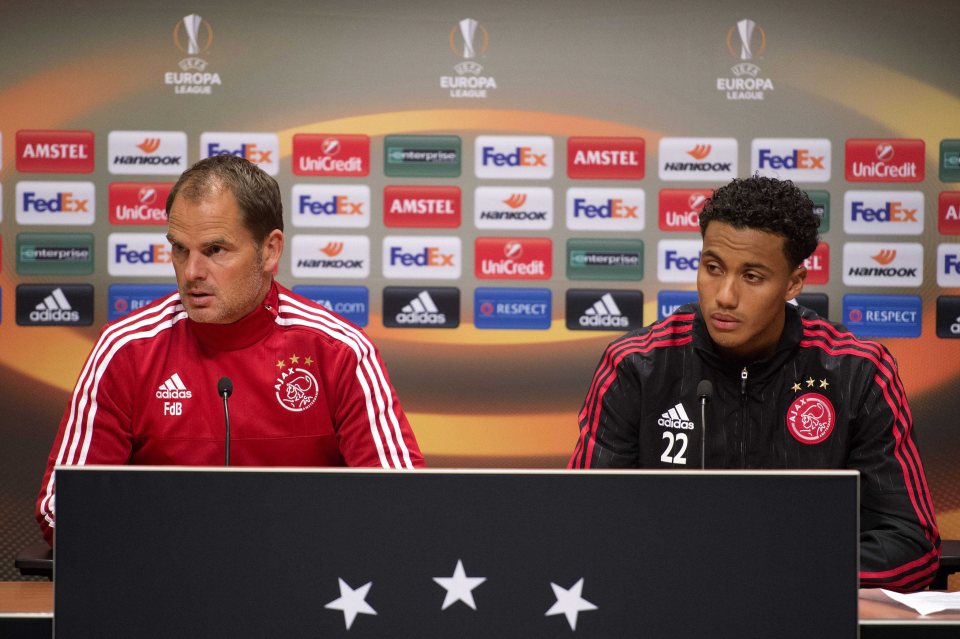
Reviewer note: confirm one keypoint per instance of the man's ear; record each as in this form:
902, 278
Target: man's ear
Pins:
797, 279
272, 250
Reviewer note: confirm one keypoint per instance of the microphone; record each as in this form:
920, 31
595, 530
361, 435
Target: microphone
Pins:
704, 393
225, 390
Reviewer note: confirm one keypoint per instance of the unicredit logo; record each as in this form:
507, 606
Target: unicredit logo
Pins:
331, 155
138, 202
513, 258
895, 160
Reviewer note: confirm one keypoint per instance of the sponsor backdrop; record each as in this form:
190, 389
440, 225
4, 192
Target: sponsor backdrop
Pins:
494, 191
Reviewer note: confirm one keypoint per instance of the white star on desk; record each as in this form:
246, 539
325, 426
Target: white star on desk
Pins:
459, 587
352, 602
569, 603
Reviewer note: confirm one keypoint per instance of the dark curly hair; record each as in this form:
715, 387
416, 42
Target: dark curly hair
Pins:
767, 204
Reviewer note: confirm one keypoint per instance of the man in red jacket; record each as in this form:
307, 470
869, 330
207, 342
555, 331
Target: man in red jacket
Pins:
309, 388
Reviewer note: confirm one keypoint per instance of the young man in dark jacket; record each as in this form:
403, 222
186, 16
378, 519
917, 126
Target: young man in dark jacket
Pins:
790, 389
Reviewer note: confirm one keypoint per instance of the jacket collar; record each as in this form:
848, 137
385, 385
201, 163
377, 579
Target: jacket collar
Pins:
242, 333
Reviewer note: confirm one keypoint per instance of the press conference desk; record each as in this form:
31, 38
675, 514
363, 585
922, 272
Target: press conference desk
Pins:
26, 610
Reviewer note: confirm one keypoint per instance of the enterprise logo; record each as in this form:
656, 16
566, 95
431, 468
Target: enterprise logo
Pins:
421, 156
55, 253
331, 256
604, 259
698, 159
331, 205
263, 149
882, 264
514, 157
883, 315
349, 302
147, 152
56, 203
883, 212
512, 308
797, 159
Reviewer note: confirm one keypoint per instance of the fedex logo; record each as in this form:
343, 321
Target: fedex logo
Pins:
54, 203
421, 206
948, 265
41, 151
263, 149
883, 212
678, 260
138, 202
818, 265
421, 257
514, 157
331, 205
797, 159
331, 155
601, 158
883, 160
139, 254
595, 209
679, 209
948, 213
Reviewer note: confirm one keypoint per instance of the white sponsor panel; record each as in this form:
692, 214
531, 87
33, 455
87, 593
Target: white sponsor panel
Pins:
331, 205
883, 212
422, 257
948, 265
139, 255
514, 157
263, 149
882, 264
503, 207
599, 209
330, 256
797, 159
147, 152
56, 203
678, 260
697, 159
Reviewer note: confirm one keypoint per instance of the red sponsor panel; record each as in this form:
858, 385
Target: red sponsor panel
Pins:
818, 265
679, 209
513, 258
948, 213
884, 160
435, 207
55, 151
605, 158
332, 155
139, 202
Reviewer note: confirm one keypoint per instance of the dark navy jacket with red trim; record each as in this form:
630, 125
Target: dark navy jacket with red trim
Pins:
825, 399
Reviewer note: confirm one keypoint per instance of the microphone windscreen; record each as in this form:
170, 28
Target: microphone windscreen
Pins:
705, 389
225, 387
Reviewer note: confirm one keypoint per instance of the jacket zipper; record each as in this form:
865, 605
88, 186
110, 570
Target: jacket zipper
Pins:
743, 417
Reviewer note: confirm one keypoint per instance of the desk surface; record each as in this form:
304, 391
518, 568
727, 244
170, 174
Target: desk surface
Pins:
36, 597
